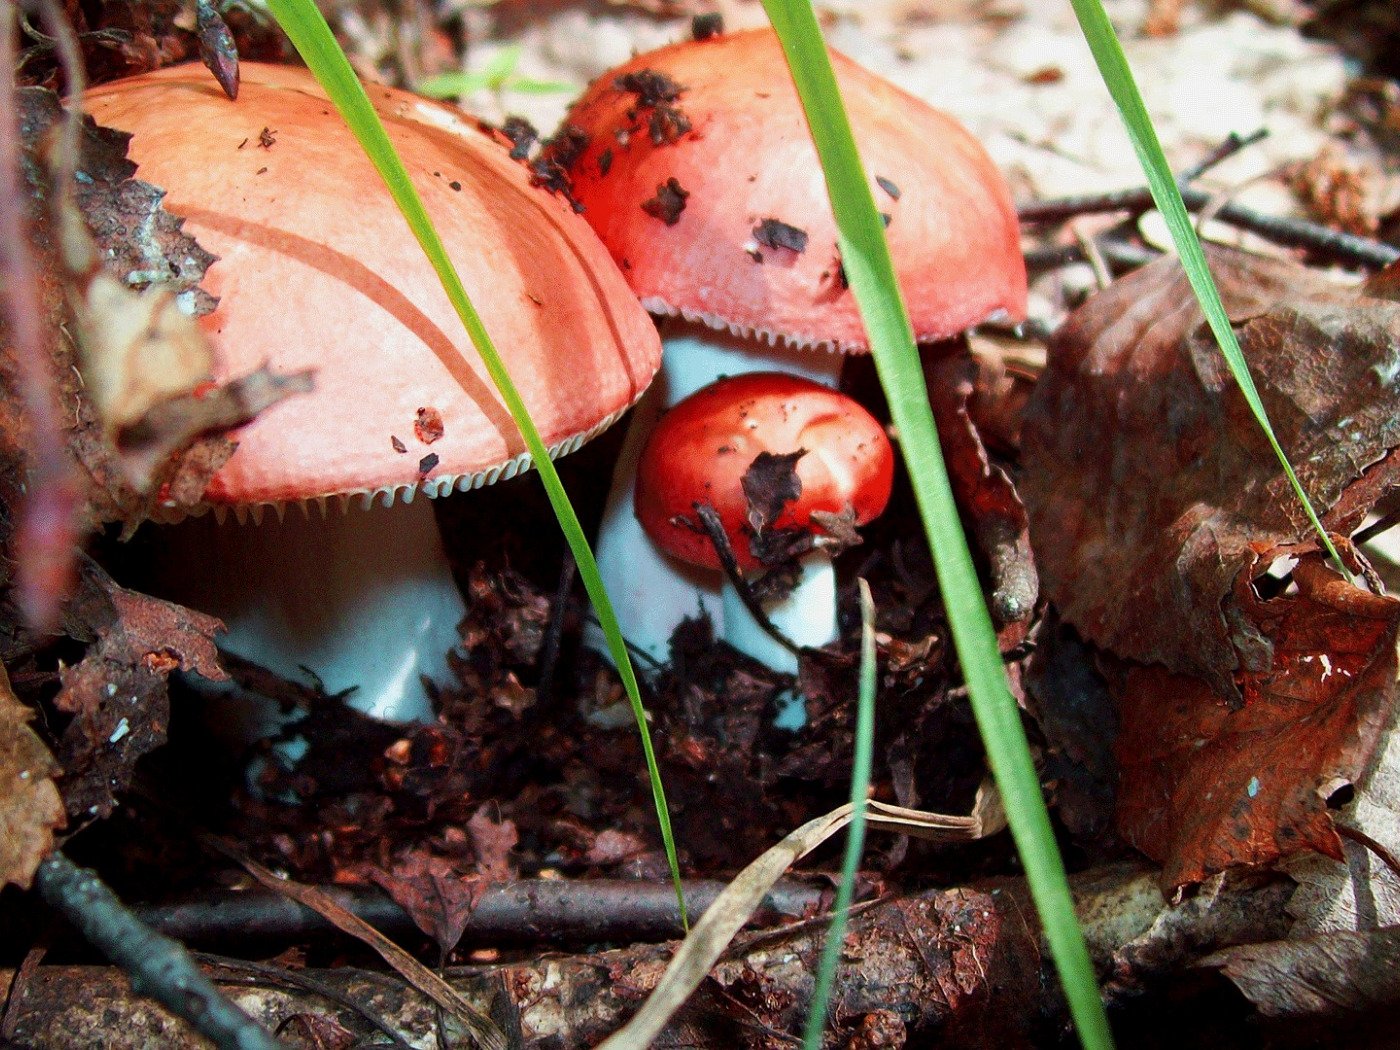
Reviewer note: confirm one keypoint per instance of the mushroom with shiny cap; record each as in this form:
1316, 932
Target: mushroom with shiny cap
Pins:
318, 270
695, 165
833, 463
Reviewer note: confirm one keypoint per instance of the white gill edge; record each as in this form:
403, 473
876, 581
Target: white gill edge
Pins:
659, 307
386, 495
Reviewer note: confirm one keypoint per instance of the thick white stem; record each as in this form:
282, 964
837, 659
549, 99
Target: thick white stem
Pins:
362, 599
651, 591
807, 616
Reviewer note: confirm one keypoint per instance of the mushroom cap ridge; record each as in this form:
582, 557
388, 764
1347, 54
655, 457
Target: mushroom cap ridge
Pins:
748, 156
317, 269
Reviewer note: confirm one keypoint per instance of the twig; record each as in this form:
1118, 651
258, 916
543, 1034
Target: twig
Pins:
1371, 844
1232, 144
714, 528
526, 912
157, 966
267, 973
47, 531
1120, 255
14, 995
1290, 233
554, 632
1376, 527
481, 1028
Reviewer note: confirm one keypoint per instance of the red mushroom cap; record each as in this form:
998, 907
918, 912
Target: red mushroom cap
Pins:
692, 147
317, 269
701, 449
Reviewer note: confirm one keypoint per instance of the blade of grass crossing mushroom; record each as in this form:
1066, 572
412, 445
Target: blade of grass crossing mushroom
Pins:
866, 257
1118, 77
855, 835
307, 29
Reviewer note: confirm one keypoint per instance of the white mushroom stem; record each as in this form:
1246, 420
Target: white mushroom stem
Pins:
363, 599
653, 592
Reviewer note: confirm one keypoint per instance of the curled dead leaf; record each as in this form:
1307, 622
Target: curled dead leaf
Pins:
30, 806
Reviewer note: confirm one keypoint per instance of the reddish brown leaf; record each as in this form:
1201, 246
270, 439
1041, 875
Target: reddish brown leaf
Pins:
1206, 786
117, 693
493, 842
1150, 489
984, 492
438, 897
30, 808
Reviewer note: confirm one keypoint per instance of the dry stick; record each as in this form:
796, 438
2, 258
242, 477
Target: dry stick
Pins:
47, 530
1290, 233
261, 974
1119, 254
1371, 844
714, 528
554, 631
525, 912
1232, 144
157, 966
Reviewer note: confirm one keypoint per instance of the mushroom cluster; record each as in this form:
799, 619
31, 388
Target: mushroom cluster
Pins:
695, 165
318, 270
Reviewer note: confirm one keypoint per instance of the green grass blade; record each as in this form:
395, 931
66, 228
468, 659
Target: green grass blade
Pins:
866, 257
1113, 67
855, 834
303, 24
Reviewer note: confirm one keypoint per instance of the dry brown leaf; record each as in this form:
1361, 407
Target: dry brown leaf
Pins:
1333, 975
482, 1028
1205, 786
743, 896
1151, 491
30, 806
438, 897
1155, 503
984, 493
117, 694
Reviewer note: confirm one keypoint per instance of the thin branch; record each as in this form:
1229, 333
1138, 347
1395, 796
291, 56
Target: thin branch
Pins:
1232, 144
1290, 233
157, 966
1371, 844
714, 528
526, 912
47, 534
260, 974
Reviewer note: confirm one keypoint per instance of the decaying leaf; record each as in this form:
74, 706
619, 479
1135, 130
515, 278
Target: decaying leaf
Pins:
117, 693
985, 494
30, 807
136, 371
438, 897
1332, 975
1155, 503
1206, 786
1151, 490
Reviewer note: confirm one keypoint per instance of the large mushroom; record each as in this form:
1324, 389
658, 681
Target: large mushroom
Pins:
318, 270
695, 165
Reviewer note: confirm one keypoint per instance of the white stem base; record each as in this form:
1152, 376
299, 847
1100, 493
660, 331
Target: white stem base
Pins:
653, 592
361, 599
807, 616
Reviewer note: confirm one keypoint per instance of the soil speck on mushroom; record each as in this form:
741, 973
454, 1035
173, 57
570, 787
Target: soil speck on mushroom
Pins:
777, 234
427, 426
668, 203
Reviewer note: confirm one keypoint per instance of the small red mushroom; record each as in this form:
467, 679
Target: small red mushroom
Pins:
701, 450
